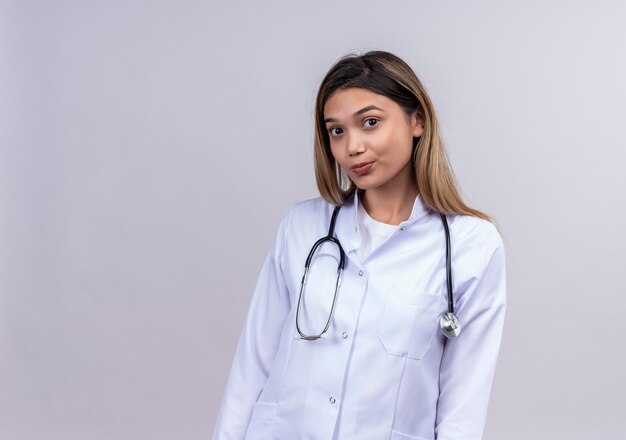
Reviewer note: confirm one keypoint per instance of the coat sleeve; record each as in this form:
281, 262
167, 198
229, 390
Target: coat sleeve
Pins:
469, 361
258, 343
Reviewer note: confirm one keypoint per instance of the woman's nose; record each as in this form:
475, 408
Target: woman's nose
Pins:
355, 145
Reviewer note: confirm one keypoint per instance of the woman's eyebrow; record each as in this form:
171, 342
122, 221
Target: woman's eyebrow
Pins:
363, 110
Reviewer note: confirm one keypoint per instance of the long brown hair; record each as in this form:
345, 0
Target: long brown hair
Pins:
384, 73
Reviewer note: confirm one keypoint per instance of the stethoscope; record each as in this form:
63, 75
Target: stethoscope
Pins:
450, 325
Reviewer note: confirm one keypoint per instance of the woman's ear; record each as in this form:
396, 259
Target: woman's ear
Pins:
418, 125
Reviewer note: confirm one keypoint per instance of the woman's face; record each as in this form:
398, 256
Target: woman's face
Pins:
371, 137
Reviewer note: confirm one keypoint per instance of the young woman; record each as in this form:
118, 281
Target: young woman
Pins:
389, 327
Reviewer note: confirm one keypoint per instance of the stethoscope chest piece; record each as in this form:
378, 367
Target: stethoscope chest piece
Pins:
450, 325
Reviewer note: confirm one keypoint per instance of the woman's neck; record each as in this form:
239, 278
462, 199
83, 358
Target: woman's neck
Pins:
389, 205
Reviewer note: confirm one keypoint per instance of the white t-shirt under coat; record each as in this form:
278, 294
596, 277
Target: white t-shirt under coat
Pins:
373, 232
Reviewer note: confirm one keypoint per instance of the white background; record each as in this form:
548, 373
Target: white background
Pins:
148, 150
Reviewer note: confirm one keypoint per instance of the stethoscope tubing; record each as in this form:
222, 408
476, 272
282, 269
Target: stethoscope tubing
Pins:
449, 323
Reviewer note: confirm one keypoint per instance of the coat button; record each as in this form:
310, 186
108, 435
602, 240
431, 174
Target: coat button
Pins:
360, 273
402, 228
332, 400
344, 335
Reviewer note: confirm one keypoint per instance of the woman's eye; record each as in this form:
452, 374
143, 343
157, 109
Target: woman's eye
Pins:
373, 121
334, 133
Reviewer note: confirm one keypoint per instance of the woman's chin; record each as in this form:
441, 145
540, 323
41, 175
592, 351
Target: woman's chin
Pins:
364, 183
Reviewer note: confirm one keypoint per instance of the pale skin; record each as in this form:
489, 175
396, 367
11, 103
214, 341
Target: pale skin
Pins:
382, 135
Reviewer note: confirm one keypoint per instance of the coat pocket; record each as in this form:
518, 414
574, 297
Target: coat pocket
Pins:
407, 328
261, 425
396, 435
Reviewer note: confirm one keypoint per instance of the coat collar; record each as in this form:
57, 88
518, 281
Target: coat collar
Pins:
348, 230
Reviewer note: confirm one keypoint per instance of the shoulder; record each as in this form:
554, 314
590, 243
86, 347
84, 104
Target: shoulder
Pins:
304, 213
303, 220
308, 210
470, 226
475, 235
314, 204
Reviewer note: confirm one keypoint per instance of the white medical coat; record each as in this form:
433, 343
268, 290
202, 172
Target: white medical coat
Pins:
384, 370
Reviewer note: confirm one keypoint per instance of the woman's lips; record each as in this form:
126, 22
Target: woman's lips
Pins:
361, 169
